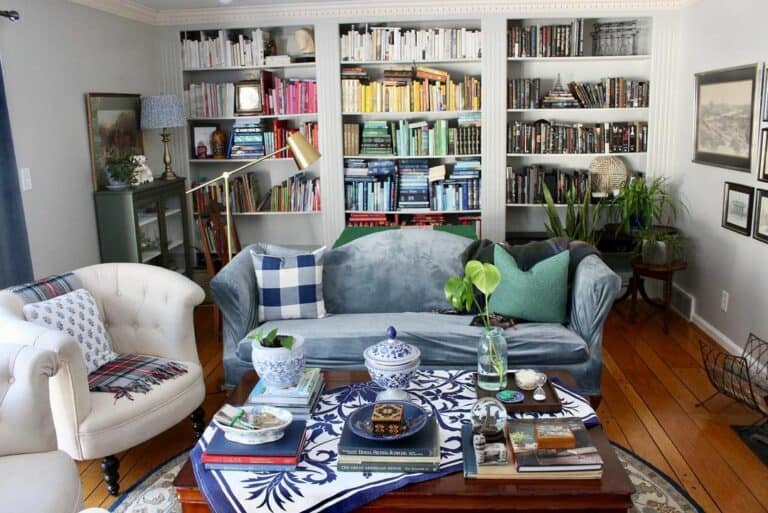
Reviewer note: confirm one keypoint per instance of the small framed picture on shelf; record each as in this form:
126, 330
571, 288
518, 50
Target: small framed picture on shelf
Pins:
762, 170
201, 140
738, 203
725, 106
248, 100
765, 95
113, 129
761, 216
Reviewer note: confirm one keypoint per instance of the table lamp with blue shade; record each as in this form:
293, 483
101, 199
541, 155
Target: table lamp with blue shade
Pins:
163, 111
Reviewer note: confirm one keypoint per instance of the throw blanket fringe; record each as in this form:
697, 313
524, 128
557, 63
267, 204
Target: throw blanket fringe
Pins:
132, 373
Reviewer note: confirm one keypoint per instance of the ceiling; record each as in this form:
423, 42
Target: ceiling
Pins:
167, 5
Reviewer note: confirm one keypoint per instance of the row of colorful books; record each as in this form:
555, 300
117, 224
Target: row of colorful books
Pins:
525, 185
210, 100
551, 449
545, 137
222, 50
546, 40
252, 139
398, 44
423, 95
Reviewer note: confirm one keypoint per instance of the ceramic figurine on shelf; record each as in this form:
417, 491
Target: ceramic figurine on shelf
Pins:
142, 174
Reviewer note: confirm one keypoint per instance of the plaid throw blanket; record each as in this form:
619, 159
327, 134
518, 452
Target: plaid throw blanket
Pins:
133, 373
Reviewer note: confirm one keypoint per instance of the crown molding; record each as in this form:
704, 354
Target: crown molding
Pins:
279, 11
124, 8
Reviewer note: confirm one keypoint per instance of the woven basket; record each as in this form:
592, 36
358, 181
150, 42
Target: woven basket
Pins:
607, 174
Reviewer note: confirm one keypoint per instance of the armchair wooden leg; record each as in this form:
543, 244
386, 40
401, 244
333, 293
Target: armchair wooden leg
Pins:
109, 467
198, 421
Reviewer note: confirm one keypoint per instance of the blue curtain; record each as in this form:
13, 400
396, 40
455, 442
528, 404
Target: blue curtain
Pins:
15, 262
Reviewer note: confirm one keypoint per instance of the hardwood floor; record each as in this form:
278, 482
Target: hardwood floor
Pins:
652, 384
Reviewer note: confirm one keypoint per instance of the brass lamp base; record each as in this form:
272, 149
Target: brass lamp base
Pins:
168, 174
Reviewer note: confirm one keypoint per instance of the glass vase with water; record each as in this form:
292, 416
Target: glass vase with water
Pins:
492, 360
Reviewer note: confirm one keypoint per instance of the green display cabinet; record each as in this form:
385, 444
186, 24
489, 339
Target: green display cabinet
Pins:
148, 224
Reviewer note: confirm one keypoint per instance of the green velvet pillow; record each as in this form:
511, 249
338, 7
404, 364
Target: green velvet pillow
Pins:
539, 294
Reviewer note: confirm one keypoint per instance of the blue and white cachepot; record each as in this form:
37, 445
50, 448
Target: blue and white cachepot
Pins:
392, 364
279, 367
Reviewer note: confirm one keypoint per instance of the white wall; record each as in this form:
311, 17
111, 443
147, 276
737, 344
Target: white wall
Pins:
717, 34
52, 57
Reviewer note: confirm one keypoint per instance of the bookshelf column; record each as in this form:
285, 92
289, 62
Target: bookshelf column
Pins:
494, 72
329, 100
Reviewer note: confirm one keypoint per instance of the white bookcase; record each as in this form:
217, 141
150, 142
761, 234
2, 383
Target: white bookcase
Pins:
288, 228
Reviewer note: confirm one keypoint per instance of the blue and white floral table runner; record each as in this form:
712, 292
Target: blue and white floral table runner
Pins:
316, 486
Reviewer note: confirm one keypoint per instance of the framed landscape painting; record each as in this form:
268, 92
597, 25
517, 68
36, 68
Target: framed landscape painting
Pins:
113, 127
725, 106
738, 202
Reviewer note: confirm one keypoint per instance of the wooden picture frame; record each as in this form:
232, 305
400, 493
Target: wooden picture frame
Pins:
114, 125
738, 205
724, 123
760, 231
202, 134
248, 100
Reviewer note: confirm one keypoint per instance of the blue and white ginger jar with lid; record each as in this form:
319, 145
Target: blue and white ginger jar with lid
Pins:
392, 364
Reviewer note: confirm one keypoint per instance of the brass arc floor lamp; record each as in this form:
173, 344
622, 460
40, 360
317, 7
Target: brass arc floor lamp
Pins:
304, 154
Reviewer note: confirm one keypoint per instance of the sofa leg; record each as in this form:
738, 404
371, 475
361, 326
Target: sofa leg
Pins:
109, 467
198, 421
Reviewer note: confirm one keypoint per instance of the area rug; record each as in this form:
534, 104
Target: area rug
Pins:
752, 436
656, 492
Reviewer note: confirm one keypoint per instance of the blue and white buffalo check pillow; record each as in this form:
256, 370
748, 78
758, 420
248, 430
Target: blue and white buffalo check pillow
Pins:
290, 287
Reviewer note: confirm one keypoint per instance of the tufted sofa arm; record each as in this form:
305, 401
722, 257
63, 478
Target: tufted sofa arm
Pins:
26, 424
147, 309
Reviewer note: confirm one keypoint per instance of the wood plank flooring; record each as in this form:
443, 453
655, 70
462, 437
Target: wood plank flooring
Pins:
652, 384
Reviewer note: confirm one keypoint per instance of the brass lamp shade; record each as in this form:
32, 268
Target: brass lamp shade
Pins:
304, 154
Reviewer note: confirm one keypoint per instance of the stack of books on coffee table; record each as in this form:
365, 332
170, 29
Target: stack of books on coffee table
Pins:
414, 454
299, 400
278, 456
551, 449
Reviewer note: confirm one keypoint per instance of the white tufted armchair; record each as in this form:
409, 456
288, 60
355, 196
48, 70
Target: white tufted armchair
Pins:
146, 310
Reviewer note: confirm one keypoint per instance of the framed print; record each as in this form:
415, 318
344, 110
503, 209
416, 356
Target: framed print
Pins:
765, 95
201, 141
113, 127
761, 216
762, 170
737, 207
248, 100
725, 106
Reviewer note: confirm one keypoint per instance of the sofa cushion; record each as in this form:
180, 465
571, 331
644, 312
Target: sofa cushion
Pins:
444, 340
392, 271
538, 294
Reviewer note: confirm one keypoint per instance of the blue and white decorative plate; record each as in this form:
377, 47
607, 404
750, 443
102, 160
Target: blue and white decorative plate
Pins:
414, 418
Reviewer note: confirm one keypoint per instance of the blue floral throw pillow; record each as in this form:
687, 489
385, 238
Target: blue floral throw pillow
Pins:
290, 287
77, 315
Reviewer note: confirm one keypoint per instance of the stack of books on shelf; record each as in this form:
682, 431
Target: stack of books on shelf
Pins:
525, 185
420, 138
542, 449
544, 137
370, 186
368, 220
376, 139
298, 193
206, 100
300, 399
417, 453
467, 136
559, 98
219, 51
611, 93
287, 96
279, 456
431, 91
546, 40
399, 44
460, 190
250, 139
413, 189
523, 93
351, 133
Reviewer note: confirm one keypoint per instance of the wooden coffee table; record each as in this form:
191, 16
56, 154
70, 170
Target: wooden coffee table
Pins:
612, 494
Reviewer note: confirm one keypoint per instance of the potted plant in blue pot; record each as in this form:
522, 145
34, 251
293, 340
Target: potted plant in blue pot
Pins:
277, 358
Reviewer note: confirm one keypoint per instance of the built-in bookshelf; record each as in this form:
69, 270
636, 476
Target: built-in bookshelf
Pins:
411, 108
213, 63
577, 89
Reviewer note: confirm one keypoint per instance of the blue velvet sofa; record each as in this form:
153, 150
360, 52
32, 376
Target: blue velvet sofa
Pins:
396, 278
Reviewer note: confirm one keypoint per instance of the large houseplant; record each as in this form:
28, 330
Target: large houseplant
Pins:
581, 216
492, 348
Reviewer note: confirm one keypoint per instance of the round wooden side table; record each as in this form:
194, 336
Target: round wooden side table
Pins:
664, 273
